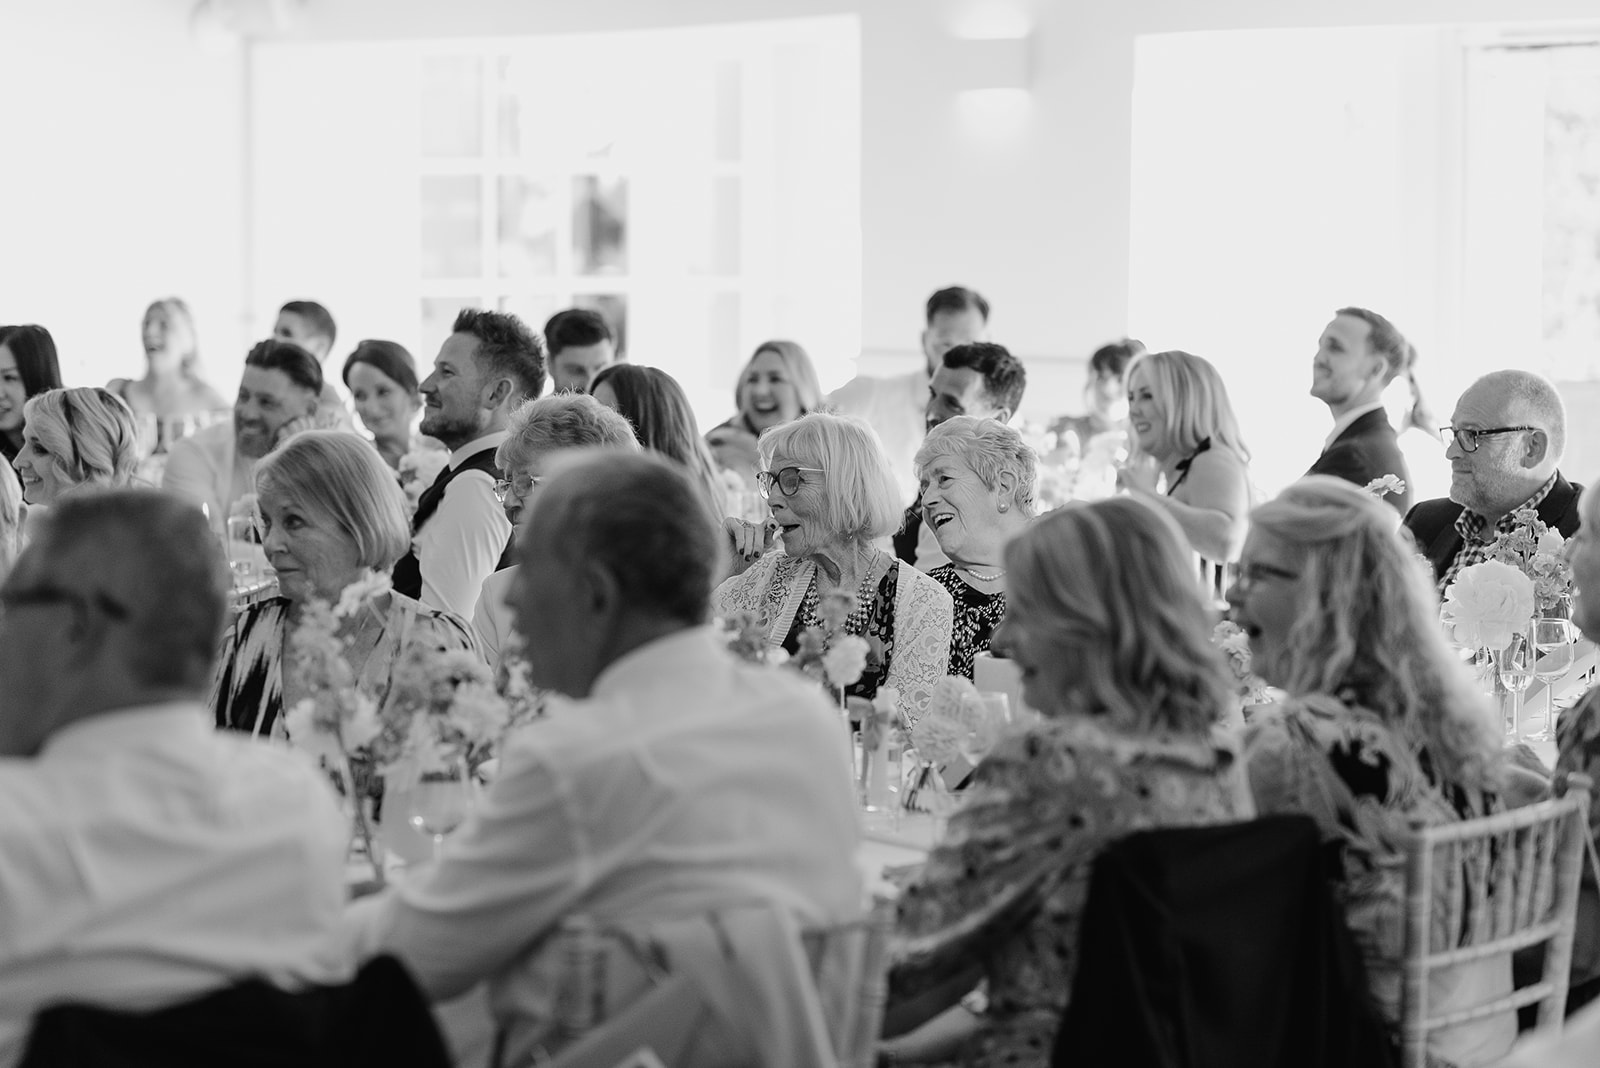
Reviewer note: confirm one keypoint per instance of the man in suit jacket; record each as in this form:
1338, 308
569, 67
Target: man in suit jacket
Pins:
1507, 436
1359, 354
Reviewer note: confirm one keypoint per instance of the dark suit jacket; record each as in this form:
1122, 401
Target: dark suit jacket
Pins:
1367, 449
1433, 523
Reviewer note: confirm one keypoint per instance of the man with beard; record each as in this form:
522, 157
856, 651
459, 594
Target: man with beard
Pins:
488, 366
277, 397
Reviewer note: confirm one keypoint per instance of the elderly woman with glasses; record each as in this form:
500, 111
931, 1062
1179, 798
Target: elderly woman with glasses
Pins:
74, 439
331, 515
536, 431
832, 496
1383, 727
977, 480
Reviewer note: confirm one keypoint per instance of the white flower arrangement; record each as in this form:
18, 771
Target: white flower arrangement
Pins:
1229, 637
1489, 603
418, 469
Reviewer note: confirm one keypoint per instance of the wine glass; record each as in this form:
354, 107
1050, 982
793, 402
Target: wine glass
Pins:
242, 549
986, 715
440, 801
1553, 641
1514, 664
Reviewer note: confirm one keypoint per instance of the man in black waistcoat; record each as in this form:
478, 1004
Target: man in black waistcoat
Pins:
488, 365
1360, 353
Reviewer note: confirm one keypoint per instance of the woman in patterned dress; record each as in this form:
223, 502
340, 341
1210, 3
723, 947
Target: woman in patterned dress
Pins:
832, 495
977, 478
1383, 726
1112, 636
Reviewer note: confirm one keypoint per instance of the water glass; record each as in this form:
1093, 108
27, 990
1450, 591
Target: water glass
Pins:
440, 802
1514, 666
1555, 644
242, 551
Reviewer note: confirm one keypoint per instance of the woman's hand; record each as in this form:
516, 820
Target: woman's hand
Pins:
747, 541
1138, 475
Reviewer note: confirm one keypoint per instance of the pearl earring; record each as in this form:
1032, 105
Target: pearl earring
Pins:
1004, 507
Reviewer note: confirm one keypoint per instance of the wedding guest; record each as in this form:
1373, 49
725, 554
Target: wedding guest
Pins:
535, 432
1505, 444
331, 515
977, 479
488, 366
1359, 354
309, 325
777, 385
676, 781
581, 345
1188, 457
12, 513
896, 407
1105, 394
832, 495
663, 421
76, 438
277, 398
146, 858
171, 387
1383, 727
28, 367
382, 380
1113, 638
980, 379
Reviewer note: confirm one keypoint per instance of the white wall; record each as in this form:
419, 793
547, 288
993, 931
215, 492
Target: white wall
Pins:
122, 181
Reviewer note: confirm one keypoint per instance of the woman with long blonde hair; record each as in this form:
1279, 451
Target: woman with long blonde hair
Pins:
1382, 729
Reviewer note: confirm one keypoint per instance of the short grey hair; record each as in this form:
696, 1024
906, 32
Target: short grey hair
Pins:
642, 519
153, 555
860, 500
990, 448
1532, 398
561, 421
341, 477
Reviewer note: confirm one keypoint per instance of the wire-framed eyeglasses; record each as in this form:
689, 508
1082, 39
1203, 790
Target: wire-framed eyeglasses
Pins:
519, 487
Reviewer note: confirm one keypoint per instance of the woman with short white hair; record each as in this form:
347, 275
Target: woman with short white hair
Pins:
1383, 728
74, 439
832, 495
977, 478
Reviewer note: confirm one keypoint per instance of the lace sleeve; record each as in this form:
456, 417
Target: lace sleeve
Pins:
924, 619
746, 592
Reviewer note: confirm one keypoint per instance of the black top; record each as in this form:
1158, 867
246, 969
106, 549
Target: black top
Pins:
878, 630
1367, 449
407, 573
1433, 523
977, 616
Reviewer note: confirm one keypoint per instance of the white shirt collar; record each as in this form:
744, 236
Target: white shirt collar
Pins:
128, 728
682, 653
477, 445
1343, 423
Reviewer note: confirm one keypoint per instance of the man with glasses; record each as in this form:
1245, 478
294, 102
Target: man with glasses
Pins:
1504, 444
145, 857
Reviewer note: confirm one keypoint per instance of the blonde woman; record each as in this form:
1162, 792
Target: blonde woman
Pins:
1187, 456
1383, 728
171, 387
11, 516
75, 438
1112, 636
777, 385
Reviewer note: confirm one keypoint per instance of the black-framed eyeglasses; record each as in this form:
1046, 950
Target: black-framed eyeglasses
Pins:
42, 595
787, 479
520, 486
1250, 574
1467, 437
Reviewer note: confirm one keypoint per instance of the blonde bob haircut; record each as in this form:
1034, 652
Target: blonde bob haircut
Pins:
1367, 626
340, 477
1111, 584
561, 421
990, 448
796, 364
860, 500
89, 433
1193, 400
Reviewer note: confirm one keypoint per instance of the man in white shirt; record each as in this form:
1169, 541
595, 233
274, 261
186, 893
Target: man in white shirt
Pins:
676, 780
277, 398
311, 326
1359, 354
488, 366
895, 406
145, 858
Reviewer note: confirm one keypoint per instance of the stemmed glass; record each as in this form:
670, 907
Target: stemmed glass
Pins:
440, 801
1553, 641
1515, 664
986, 716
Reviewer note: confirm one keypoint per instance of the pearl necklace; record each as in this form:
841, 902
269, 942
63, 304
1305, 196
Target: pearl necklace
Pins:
980, 576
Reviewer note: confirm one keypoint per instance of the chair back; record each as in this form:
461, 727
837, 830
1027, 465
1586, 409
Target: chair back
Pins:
1486, 888
850, 967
